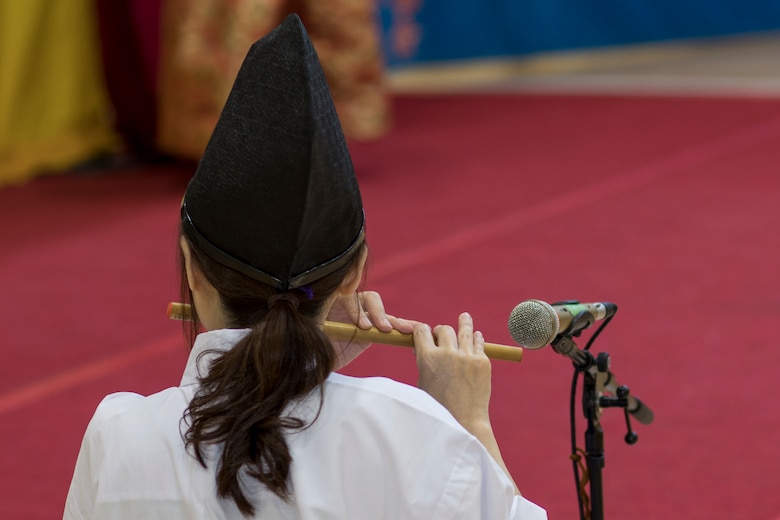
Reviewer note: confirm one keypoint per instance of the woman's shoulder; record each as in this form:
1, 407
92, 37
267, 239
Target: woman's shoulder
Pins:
129, 431
381, 395
119, 403
377, 384
131, 415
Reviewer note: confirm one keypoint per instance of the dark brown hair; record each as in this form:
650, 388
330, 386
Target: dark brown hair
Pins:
242, 398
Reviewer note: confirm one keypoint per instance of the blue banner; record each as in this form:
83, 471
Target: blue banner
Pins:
439, 30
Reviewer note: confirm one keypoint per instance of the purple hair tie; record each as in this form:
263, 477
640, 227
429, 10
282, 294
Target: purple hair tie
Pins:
308, 291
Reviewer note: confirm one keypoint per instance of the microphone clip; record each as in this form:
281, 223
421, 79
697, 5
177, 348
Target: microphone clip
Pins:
582, 320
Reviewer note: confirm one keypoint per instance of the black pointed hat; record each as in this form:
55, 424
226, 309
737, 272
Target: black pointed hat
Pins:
275, 195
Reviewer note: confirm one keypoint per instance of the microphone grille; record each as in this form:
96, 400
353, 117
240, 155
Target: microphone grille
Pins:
533, 324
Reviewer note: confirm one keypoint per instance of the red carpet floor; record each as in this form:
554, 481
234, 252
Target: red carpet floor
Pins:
665, 206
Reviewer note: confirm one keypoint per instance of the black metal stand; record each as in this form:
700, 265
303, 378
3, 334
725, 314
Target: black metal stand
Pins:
594, 444
598, 381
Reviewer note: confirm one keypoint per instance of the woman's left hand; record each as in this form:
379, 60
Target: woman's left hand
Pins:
365, 310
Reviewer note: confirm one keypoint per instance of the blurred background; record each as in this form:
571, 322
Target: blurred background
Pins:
92, 80
620, 151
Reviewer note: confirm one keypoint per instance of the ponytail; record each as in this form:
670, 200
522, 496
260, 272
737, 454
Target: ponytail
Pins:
241, 399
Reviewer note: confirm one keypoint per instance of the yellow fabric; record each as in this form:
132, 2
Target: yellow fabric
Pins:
54, 109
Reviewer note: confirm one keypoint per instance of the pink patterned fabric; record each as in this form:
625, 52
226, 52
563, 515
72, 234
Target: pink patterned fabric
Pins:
204, 42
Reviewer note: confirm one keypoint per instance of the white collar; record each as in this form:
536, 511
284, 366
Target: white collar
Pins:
210, 343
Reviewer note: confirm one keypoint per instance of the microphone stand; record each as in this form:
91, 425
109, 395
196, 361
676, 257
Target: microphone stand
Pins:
597, 379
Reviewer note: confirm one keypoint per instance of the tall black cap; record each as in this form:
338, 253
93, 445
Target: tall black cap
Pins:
275, 195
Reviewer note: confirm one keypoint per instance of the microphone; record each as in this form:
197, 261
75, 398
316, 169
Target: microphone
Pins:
534, 323
347, 332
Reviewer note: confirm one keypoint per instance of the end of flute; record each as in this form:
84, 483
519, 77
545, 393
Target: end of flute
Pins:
504, 352
179, 311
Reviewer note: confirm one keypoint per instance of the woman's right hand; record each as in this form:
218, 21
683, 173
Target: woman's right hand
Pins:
454, 369
456, 372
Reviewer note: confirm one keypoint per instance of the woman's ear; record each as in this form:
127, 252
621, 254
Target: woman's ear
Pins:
352, 281
185, 251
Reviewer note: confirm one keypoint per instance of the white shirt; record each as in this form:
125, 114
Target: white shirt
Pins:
379, 450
